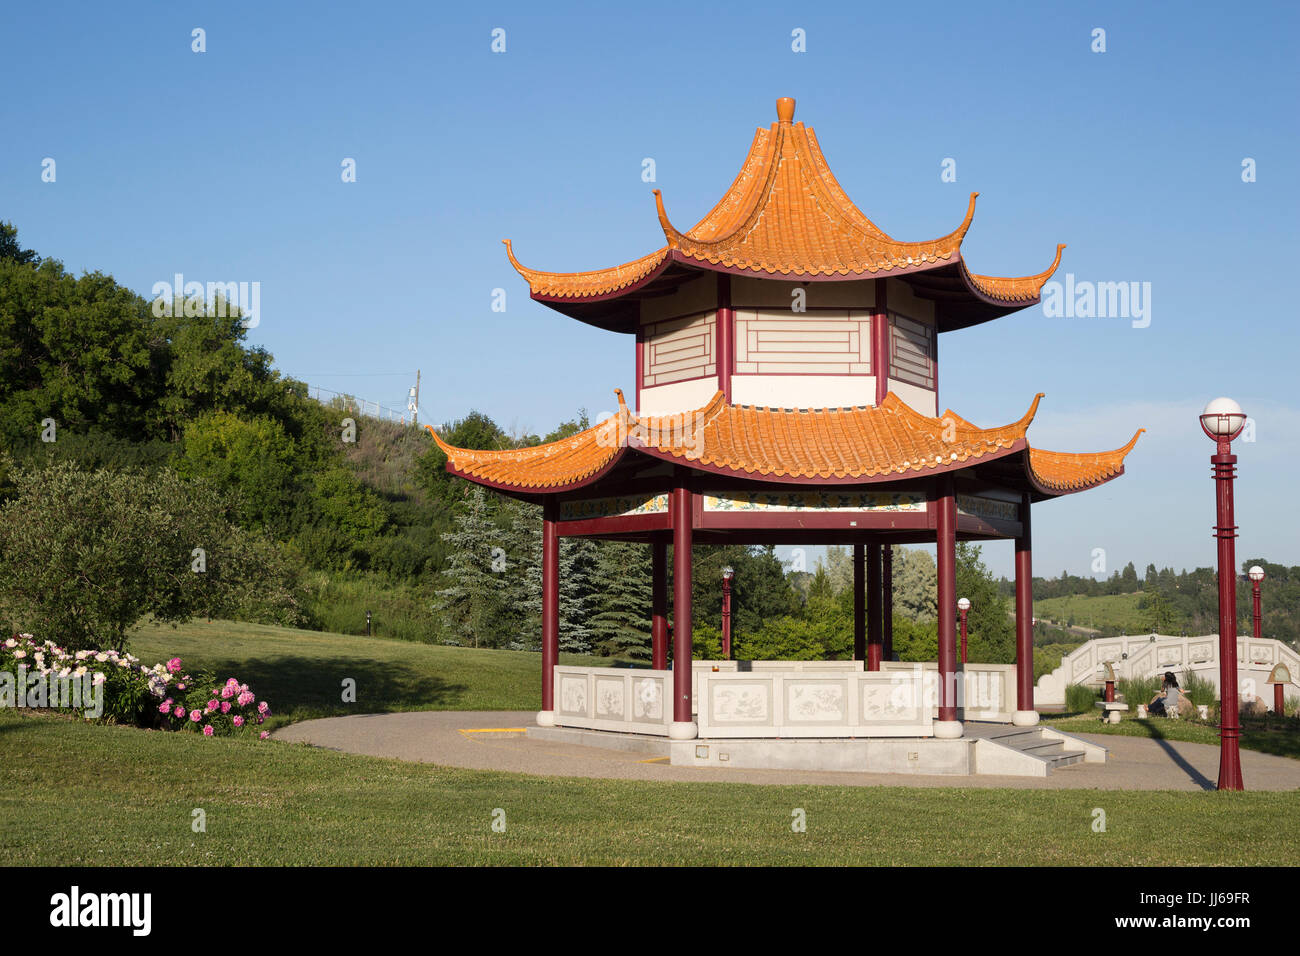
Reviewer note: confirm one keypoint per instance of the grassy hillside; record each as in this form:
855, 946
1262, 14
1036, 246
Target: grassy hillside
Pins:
1104, 612
301, 673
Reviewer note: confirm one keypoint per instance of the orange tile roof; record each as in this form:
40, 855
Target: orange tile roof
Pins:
1061, 472
577, 285
870, 443
786, 214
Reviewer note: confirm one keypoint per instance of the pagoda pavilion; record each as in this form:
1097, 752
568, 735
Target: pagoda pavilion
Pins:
786, 391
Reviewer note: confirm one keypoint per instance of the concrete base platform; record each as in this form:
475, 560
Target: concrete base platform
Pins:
508, 741
927, 755
985, 750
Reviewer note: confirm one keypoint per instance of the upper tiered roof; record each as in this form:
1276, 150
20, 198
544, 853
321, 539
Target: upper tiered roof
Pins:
785, 216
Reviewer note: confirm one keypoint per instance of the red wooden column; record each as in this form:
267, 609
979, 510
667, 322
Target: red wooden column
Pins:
659, 605
946, 540
550, 609
726, 328
1025, 715
875, 608
880, 342
887, 604
859, 606
682, 727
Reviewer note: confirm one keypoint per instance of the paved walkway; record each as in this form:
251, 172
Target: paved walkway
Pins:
472, 739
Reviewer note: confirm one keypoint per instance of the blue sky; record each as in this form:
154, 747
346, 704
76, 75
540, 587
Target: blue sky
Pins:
225, 165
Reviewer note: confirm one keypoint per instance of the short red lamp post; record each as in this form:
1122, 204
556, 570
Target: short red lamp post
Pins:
728, 574
1222, 421
1279, 677
963, 605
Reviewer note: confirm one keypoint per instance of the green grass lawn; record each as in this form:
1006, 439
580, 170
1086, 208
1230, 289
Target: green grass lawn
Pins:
77, 793
301, 673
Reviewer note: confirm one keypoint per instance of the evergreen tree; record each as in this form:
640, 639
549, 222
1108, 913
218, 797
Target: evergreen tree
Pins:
839, 568
471, 606
821, 587
579, 584
522, 536
915, 584
621, 625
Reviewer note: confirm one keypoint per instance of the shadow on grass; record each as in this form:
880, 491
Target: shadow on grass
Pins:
1279, 736
301, 687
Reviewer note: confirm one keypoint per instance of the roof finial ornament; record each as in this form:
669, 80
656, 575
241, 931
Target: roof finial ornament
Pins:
623, 411
785, 110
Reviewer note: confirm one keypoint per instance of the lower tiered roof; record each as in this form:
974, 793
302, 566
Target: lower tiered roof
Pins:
867, 444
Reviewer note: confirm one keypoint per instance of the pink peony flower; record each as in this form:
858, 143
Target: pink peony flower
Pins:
212, 705
227, 692
180, 686
214, 692
263, 708
237, 720
195, 716
263, 735
208, 731
174, 665
225, 706
179, 711
165, 707
245, 698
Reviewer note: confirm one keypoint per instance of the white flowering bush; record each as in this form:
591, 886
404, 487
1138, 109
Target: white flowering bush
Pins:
163, 695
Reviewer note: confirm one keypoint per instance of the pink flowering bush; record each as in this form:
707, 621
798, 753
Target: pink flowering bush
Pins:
164, 695
215, 710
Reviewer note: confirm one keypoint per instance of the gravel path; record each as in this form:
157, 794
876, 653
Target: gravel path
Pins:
465, 739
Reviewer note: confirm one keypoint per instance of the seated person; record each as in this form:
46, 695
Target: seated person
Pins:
1166, 702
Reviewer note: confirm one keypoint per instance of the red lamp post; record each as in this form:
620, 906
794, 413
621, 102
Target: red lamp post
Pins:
963, 605
1222, 421
728, 575
1256, 575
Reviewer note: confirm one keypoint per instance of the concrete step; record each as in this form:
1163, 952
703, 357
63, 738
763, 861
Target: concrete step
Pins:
1066, 758
1010, 735
1030, 741
1041, 747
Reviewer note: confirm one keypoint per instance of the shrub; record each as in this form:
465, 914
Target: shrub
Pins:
86, 554
1199, 690
1080, 698
1138, 690
162, 696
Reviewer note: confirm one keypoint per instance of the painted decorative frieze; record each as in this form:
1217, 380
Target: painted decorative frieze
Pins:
987, 508
778, 501
620, 506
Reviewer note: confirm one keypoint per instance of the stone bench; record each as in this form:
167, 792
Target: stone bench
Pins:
1111, 710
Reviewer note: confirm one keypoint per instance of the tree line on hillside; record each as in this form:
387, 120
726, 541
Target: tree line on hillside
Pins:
1172, 602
